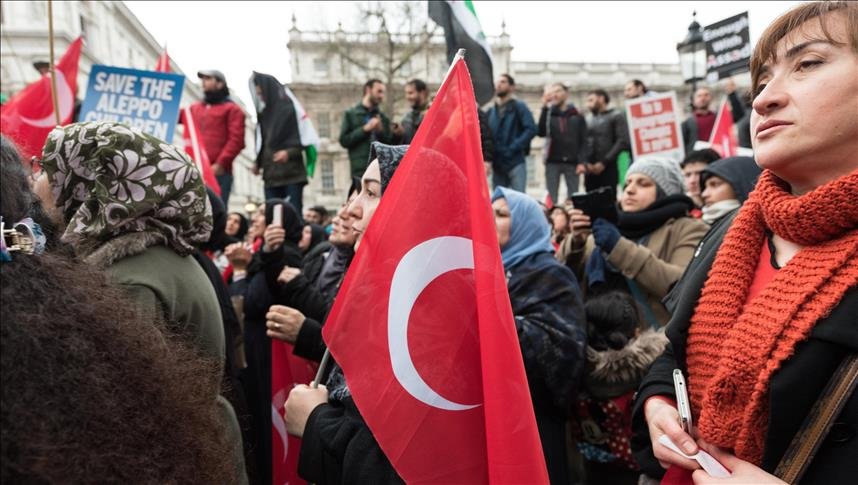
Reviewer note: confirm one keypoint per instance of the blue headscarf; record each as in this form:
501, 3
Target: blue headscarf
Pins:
529, 232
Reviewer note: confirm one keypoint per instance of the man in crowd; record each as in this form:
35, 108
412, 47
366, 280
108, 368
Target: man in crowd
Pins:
691, 166
512, 127
565, 132
221, 124
699, 126
316, 215
363, 124
417, 97
608, 136
635, 89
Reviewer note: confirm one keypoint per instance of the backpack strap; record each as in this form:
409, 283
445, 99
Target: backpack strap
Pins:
818, 422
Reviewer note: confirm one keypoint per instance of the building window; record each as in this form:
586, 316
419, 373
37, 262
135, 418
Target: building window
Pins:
324, 124
320, 66
328, 176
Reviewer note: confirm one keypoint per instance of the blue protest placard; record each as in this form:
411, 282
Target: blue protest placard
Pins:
146, 100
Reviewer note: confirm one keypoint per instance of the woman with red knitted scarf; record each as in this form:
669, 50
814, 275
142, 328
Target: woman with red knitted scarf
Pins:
778, 309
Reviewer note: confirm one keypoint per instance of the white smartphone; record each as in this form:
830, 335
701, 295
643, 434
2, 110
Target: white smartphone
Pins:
277, 216
682, 402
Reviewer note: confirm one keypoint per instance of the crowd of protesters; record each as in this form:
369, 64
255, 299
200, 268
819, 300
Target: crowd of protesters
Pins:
138, 314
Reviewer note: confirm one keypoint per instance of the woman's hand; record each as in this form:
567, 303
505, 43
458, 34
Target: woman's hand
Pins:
740, 470
663, 418
579, 226
288, 274
273, 237
283, 323
301, 402
238, 255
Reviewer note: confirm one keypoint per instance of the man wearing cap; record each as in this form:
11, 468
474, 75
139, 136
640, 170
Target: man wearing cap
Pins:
221, 124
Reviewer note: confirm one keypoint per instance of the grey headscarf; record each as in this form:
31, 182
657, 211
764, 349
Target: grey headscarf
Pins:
389, 157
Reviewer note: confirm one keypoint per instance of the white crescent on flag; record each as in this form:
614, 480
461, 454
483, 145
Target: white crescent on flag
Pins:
420, 266
65, 101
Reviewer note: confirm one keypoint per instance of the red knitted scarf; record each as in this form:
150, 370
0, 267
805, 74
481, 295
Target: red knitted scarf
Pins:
734, 349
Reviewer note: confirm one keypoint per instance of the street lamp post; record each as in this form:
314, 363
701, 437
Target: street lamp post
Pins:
692, 54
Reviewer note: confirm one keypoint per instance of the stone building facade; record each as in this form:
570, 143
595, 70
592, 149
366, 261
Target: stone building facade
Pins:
112, 36
327, 84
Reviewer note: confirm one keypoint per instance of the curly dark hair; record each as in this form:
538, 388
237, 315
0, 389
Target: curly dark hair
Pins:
93, 394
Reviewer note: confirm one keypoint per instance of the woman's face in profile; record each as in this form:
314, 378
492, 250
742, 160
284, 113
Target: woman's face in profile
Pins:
362, 208
804, 125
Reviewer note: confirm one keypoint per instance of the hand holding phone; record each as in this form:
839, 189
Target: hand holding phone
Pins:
277, 215
683, 405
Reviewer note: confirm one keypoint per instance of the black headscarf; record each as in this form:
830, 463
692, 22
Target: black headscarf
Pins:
218, 239
277, 119
318, 236
243, 225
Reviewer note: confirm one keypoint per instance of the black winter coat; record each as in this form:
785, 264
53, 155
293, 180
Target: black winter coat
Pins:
793, 389
549, 318
256, 378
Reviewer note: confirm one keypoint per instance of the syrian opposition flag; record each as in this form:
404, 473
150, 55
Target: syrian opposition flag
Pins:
723, 138
462, 30
28, 117
309, 138
422, 325
191, 134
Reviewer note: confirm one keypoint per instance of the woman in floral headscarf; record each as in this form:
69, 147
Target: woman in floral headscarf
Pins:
136, 207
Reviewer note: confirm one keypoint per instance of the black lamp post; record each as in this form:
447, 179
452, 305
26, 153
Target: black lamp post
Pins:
692, 55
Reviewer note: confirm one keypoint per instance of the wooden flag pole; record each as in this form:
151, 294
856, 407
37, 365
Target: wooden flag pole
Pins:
53, 67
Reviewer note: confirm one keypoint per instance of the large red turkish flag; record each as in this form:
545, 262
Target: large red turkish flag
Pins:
723, 138
422, 325
28, 117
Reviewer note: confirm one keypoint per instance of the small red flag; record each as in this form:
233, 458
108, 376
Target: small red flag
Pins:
28, 117
163, 64
422, 326
191, 134
723, 138
287, 370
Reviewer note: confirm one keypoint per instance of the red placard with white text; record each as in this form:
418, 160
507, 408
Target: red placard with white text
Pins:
654, 126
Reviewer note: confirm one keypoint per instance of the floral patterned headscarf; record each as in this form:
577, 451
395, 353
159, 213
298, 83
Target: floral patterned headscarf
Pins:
110, 180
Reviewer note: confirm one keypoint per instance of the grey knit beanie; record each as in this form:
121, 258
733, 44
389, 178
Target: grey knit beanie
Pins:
663, 171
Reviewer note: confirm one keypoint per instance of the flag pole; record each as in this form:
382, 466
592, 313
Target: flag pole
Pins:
460, 54
322, 365
53, 68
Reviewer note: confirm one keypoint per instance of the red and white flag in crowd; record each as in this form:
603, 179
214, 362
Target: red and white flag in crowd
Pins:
286, 370
191, 134
723, 138
422, 326
163, 64
28, 117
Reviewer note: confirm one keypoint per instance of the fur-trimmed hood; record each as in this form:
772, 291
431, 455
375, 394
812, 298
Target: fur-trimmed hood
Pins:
612, 373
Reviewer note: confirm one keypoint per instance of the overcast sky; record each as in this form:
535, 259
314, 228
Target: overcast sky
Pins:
240, 37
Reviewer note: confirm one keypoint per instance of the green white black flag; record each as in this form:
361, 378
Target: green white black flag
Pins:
462, 31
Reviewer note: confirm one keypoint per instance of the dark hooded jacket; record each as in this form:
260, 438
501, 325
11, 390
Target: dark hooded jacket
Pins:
256, 378
740, 172
337, 446
316, 253
278, 130
231, 388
